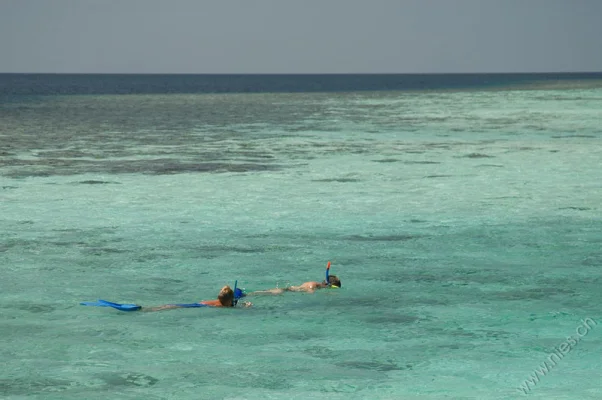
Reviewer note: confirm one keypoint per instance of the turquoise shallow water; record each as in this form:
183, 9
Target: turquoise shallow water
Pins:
465, 227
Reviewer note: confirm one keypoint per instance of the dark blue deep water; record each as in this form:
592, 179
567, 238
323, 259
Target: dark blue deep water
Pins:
53, 84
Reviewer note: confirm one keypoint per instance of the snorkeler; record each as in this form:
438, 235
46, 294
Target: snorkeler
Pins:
331, 281
226, 298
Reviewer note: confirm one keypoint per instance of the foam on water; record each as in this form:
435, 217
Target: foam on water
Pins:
465, 228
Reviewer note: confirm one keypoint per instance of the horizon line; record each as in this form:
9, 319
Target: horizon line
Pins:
301, 73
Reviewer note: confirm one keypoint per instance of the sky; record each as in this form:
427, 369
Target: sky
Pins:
300, 36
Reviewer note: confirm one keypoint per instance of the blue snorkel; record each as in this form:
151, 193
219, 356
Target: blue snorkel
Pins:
238, 294
328, 284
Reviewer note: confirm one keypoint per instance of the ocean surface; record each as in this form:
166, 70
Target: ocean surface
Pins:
462, 213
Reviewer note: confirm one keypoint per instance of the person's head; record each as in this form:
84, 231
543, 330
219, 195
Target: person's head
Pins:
226, 296
333, 280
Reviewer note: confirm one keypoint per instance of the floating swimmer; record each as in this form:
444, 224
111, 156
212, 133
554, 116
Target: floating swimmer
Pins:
226, 298
331, 282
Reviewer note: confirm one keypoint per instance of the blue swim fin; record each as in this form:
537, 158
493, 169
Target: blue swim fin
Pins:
104, 303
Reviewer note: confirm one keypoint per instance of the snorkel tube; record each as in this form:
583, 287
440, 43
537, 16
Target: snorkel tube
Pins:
329, 286
238, 294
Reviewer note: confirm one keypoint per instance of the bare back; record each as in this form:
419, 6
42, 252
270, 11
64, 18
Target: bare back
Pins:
309, 287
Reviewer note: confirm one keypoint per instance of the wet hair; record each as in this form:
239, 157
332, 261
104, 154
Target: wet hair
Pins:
334, 280
226, 296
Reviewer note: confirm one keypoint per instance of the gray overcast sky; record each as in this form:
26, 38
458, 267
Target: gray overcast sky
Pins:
302, 36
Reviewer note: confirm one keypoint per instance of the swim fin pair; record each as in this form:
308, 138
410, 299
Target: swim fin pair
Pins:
104, 303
